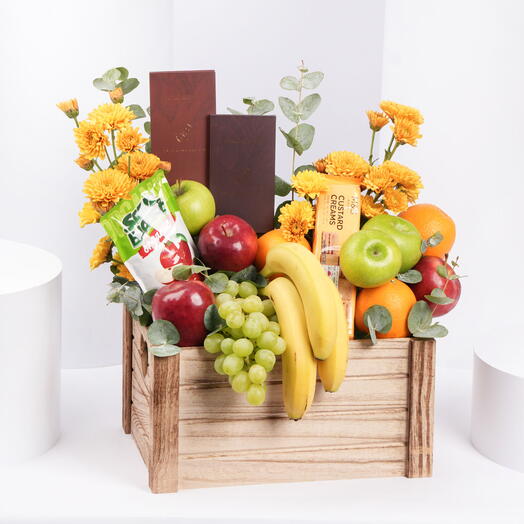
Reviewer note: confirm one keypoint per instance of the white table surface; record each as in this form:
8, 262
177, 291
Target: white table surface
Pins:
95, 474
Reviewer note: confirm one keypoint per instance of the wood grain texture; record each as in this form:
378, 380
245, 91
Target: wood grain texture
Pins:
127, 342
194, 431
421, 408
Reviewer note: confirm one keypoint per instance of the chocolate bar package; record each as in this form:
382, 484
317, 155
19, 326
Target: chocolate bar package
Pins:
181, 102
242, 167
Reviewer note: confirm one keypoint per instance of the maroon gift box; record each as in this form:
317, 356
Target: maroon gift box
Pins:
242, 167
181, 102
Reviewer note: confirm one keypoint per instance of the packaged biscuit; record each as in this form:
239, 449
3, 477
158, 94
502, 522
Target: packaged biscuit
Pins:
338, 217
149, 233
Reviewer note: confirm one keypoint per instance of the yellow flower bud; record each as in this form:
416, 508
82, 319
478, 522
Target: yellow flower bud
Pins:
117, 95
69, 107
84, 162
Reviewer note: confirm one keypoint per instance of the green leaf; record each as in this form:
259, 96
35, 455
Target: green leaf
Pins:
308, 106
250, 274
217, 282
248, 101
212, 320
443, 272
308, 167
111, 76
290, 83
411, 276
162, 332
439, 297
124, 73
132, 299
147, 146
101, 84
165, 350
289, 108
148, 296
139, 112
147, 127
292, 142
303, 135
234, 111
146, 319
282, 188
276, 223
419, 317
181, 272
434, 331
377, 318
148, 109
128, 85
312, 80
260, 107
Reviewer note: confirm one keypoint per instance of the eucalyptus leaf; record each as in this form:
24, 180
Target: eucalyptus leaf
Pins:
443, 272
128, 85
212, 320
308, 167
165, 350
248, 100
312, 80
434, 331
217, 282
181, 272
290, 83
234, 111
124, 73
102, 85
308, 106
411, 276
289, 108
147, 146
162, 332
147, 127
145, 318
112, 76
137, 110
419, 317
438, 296
292, 142
260, 107
377, 318
303, 134
148, 296
148, 109
120, 280
132, 299
250, 274
435, 239
282, 188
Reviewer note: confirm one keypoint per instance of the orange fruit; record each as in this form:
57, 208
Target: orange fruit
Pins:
429, 219
396, 297
267, 241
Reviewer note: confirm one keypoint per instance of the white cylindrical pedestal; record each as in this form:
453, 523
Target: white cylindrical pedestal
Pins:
30, 333
497, 420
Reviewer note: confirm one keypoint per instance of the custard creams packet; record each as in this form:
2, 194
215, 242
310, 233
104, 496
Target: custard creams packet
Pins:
337, 217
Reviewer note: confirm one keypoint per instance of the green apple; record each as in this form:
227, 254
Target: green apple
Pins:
370, 258
404, 233
196, 204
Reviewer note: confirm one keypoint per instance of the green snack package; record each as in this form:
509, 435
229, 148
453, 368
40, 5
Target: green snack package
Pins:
149, 232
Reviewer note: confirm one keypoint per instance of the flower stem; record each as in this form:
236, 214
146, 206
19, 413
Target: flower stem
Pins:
76, 121
370, 159
393, 150
129, 165
387, 154
113, 142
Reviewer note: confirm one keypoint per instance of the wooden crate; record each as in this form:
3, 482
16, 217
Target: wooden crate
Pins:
193, 431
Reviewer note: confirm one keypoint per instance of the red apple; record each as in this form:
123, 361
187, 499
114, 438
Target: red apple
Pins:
184, 303
431, 279
228, 242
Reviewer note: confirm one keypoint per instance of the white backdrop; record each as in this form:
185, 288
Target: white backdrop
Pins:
462, 64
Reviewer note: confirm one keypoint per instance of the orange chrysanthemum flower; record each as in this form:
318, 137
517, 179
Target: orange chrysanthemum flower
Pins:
296, 219
91, 140
88, 215
129, 139
309, 183
371, 208
106, 188
101, 253
404, 178
84, 162
69, 107
395, 200
346, 164
406, 131
395, 110
112, 116
140, 165
121, 268
320, 165
377, 120
378, 179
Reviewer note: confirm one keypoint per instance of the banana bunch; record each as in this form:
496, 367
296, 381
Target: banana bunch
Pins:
313, 324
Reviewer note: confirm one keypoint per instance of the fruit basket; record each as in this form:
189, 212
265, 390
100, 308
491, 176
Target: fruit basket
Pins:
193, 432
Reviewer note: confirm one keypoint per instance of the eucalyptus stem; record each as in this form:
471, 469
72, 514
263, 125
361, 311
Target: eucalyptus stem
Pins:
294, 152
370, 159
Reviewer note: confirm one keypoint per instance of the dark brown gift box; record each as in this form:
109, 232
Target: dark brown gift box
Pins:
181, 102
242, 167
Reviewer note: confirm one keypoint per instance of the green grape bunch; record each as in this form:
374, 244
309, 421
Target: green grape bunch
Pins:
247, 347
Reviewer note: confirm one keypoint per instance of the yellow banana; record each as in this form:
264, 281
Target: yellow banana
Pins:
305, 271
299, 368
333, 370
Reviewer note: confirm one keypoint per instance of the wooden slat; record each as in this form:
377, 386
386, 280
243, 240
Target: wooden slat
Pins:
127, 341
163, 455
421, 408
